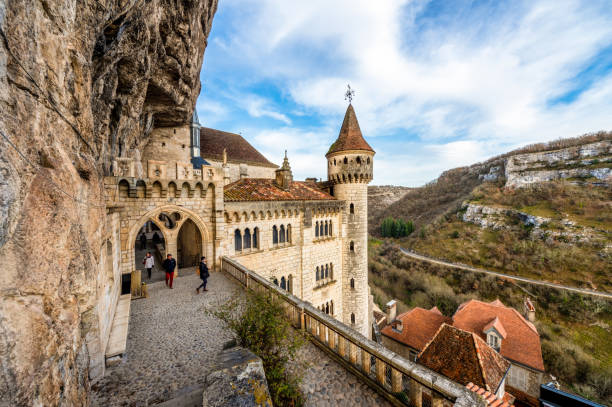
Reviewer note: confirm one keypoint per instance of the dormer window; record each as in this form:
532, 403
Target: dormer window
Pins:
494, 341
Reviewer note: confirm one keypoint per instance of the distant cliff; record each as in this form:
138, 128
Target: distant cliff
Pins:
81, 83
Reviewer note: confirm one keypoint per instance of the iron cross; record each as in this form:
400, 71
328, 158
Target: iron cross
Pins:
349, 94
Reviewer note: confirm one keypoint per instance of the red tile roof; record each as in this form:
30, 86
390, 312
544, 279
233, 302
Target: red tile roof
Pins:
350, 137
491, 399
495, 323
264, 189
212, 143
418, 327
464, 357
522, 343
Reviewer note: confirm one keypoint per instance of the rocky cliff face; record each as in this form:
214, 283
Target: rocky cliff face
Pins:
81, 83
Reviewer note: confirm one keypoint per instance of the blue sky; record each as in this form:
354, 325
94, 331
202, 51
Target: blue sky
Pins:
439, 84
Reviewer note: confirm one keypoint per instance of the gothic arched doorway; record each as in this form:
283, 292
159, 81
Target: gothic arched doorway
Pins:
189, 245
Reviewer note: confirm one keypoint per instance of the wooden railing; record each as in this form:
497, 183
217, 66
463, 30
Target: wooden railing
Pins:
399, 380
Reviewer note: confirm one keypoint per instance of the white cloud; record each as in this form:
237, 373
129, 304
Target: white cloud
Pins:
466, 88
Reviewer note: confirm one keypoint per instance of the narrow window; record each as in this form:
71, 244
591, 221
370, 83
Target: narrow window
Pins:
247, 238
317, 277
274, 235
326, 229
345, 160
331, 233
289, 234
237, 240
256, 238
282, 234
352, 246
334, 161
317, 229
275, 281
327, 271
283, 284
352, 318
352, 283
331, 307
368, 160
358, 160
321, 229
331, 271
327, 308
352, 208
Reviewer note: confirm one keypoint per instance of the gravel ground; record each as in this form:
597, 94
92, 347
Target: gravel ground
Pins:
172, 345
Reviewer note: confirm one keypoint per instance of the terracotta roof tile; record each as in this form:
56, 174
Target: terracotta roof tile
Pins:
522, 343
464, 357
495, 323
491, 399
418, 327
264, 189
350, 137
212, 143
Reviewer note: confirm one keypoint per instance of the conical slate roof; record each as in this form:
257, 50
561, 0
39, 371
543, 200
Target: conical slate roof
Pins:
350, 137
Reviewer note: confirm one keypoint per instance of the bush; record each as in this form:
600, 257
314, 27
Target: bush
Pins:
391, 227
259, 322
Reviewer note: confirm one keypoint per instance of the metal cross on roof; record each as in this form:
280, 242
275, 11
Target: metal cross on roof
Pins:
349, 94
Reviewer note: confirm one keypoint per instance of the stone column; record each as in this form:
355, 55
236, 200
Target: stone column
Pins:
416, 394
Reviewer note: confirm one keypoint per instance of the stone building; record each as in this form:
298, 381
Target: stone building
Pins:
203, 192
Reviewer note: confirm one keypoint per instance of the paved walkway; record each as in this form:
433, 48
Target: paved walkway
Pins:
508, 276
172, 345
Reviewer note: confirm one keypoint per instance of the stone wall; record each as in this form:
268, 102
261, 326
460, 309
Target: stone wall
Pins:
251, 170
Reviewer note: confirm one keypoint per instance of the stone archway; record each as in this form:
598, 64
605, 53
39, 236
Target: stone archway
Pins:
188, 245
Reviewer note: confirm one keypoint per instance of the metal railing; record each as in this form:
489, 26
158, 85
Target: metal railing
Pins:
399, 380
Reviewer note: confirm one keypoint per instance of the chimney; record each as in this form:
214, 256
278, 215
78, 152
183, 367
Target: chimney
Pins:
391, 309
529, 310
244, 171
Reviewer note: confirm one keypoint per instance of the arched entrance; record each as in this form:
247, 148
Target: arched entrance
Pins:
189, 245
150, 238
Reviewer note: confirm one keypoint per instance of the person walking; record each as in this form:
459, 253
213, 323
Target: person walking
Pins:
149, 262
203, 275
143, 241
169, 265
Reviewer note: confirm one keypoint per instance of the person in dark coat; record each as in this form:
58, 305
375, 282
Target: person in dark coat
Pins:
143, 241
169, 265
156, 238
203, 275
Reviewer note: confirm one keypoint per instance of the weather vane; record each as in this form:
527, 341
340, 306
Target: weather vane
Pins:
349, 94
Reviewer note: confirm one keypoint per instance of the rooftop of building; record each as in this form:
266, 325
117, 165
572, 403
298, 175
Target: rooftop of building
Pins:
522, 341
350, 137
238, 150
419, 325
464, 357
265, 189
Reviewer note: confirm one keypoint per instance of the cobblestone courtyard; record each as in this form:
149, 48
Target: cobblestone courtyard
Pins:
172, 345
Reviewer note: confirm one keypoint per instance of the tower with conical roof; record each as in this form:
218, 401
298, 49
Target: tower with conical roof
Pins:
350, 162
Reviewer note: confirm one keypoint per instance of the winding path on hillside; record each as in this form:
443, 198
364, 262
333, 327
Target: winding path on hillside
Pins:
173, 342
460, 266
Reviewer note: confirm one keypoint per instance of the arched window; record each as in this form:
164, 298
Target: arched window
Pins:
352, 246
327, 271
331, 271
283, 284
334, 161
237, 240
352, 318
345, 160
275, 281
368, 160
327, 308
282, 234
352, 283
321, 229
288, 233
358, 159
247, 238
317, 229
317, 275
256, 238
326, 229
352, 208
331, 233
274, 235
